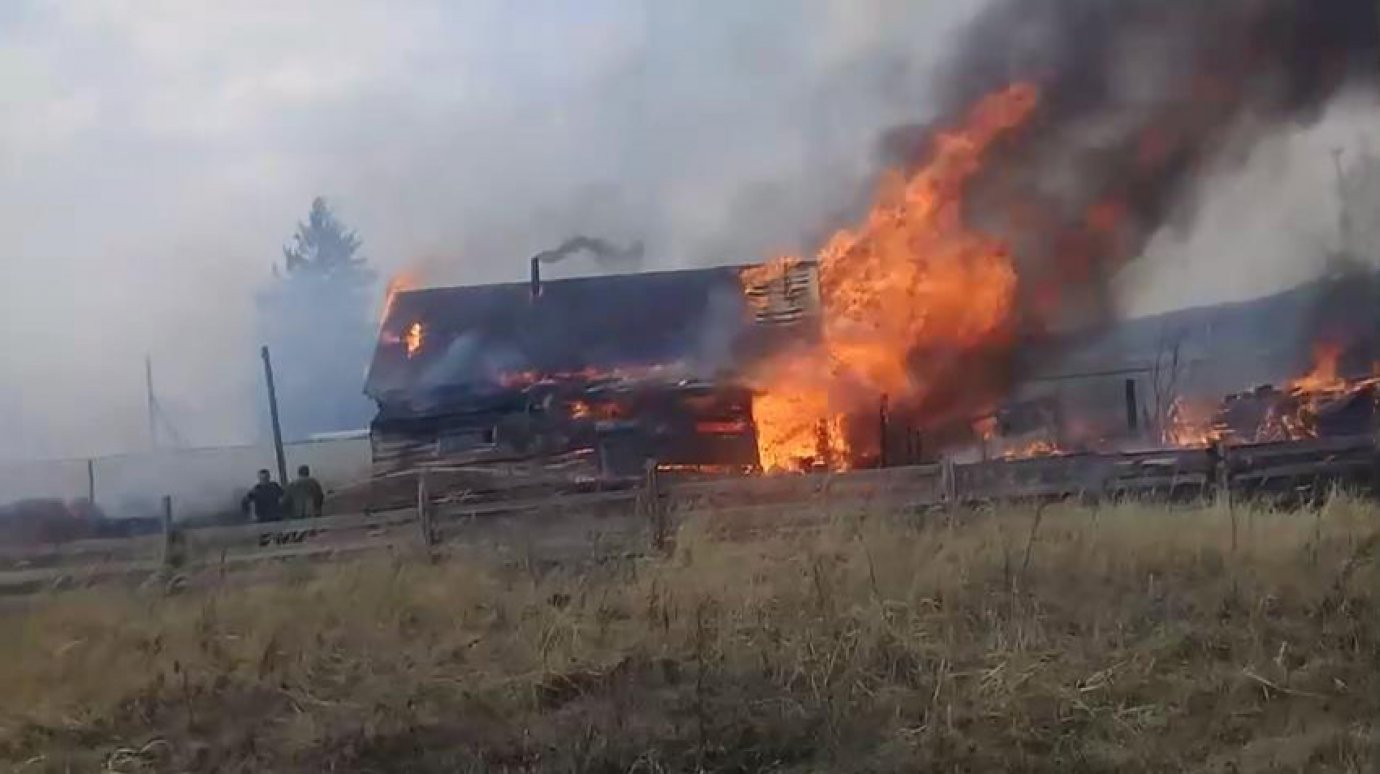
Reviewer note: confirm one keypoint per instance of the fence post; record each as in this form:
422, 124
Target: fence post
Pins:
424, 510
948, 485
948, 490
1222, 472
170, 558
1221, 464
1374, 465
651, 505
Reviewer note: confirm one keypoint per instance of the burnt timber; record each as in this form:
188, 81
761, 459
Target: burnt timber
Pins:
592, 375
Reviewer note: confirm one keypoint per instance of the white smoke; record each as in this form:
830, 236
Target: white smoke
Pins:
1269, 225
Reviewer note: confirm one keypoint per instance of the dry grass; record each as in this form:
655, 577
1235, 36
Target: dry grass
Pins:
1127, 639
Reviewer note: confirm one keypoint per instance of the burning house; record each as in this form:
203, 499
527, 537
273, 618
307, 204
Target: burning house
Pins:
598, 373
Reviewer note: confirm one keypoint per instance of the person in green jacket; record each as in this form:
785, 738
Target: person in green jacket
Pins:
304, 496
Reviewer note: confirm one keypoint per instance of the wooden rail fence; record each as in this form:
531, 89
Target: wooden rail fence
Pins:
644, 517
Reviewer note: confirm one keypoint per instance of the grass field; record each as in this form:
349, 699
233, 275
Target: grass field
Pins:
1130, 638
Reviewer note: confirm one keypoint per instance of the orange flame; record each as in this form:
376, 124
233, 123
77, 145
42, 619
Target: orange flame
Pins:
1323, 377
797, 426
913, 276
599, 412
1297, 413
986, 428
1189, 425
1033, 450
1297, 417
401, 282
413, 339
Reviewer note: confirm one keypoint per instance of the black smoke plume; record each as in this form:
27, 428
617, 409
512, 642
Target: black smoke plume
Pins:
604, 253
1140, 100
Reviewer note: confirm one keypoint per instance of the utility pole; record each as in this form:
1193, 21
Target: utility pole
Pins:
152, 402
273, 414
161, 429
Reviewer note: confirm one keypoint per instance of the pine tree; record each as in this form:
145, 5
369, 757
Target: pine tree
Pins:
323, 246
316, 319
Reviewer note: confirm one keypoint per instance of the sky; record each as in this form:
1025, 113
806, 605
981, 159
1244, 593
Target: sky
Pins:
156, 154
154, 157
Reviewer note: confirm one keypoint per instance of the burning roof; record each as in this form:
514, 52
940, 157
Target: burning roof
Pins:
688, 323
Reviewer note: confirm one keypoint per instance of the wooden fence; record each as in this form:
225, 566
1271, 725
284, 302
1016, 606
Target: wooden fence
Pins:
643, 517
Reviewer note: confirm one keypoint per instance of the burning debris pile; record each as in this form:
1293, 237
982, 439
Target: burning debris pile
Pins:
1320, 404
1022, 431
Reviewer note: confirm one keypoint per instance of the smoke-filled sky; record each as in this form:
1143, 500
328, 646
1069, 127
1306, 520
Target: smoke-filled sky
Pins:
154, 156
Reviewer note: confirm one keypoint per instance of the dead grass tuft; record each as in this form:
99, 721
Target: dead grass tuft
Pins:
1130, 638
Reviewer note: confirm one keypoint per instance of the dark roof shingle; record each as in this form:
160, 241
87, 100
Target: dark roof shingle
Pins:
473, 336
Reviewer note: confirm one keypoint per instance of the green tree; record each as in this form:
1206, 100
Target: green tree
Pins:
316, 318
323, 246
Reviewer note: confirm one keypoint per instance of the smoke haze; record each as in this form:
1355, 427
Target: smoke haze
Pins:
155, 157
1268, 225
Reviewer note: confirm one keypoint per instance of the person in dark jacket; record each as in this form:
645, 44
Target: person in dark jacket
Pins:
265, 499
305, 497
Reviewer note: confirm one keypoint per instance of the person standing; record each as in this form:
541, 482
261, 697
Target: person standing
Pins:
305, 497
265, 499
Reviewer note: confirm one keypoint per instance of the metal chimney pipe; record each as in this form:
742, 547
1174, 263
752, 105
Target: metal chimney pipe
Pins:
536, 277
